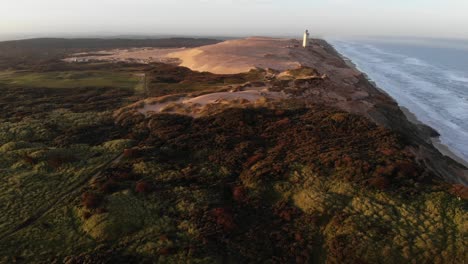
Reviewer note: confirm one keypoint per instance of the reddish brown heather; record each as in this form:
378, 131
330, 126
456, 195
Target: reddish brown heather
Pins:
224, 218
460, 191
144, 187
91, 200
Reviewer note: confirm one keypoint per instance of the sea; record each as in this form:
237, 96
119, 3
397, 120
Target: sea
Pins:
429, 77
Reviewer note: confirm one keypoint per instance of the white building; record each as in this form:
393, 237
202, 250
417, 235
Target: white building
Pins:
305, 43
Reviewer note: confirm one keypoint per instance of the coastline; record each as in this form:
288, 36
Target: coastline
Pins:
457, 165
445, 150
436, 142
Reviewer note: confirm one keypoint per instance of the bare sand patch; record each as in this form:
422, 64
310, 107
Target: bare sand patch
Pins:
196, 106
240, 55
250, 95
141, 55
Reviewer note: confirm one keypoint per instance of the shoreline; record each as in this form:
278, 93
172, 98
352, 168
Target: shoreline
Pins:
446, 151
435, 141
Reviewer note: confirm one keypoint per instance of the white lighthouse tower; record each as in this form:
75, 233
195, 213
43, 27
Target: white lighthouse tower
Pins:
305, 43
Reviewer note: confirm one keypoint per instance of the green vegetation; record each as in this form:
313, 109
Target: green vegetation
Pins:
279, 184
29, 53
300, 173
371, 224
69, 79
169, 79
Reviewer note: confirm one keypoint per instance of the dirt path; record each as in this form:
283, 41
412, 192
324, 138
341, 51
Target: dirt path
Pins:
143, 83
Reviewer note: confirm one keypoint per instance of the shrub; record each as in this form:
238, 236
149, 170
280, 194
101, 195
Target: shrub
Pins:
388, 151
56, 160
144, 187
252, 160
380, 182
146, 168
239, 193
460, 191
279, 112
382, 171
224, 218
29, 160
87, 215
109, 186
339, 117
283, 122
123, 215
130, 152
91, 200
340, 250
407, 169
118, 145
15, 145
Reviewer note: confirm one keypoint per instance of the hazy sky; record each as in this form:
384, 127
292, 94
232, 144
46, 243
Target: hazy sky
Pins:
422, 18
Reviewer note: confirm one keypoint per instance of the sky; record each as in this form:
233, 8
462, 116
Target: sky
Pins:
323, 18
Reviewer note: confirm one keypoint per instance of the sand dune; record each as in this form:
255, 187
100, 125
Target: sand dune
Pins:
195, 105
240, 55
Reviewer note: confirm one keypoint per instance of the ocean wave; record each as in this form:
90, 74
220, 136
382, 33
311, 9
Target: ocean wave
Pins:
437, 96
417, 62
456, 77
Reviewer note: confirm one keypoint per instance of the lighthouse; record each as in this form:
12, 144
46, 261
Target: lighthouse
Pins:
306, 39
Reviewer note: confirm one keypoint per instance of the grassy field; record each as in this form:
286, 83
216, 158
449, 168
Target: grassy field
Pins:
71, 79
286, 184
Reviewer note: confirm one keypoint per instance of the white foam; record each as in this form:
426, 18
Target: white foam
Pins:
436, 96
456, 77
416, 62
